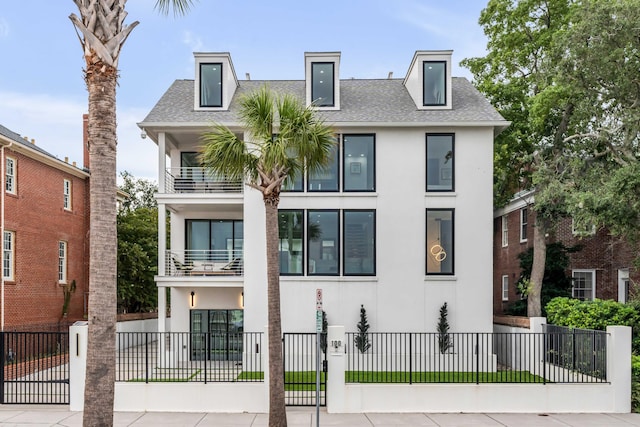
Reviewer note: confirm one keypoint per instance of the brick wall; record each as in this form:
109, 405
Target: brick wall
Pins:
505, 259
37, 217
601, 252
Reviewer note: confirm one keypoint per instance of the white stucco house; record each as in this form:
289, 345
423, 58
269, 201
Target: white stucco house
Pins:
400, 223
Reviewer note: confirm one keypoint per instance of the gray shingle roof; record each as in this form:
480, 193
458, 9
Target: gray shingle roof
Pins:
373, 101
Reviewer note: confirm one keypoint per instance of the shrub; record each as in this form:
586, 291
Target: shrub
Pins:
596, 314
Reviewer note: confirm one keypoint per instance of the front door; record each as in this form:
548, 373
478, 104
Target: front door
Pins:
216, 334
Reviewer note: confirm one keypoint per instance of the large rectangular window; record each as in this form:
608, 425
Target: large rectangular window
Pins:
327, 179
434, 83
211, 85
291, 241
8, 255
10, 175
359, 242
323, 242
213, 240
359, 162
440, 239
322, 84
584, 284
440, 162
62, 262
66, 192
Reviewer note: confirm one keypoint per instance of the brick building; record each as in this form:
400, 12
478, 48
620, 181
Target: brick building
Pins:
602, 268
44, 216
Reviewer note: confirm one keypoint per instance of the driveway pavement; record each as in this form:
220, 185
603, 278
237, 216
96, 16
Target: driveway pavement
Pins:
22, 415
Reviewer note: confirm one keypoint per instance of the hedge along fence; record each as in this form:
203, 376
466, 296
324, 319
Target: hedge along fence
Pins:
596, 314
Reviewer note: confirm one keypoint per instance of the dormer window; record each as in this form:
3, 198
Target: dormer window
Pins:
322, 84
215, 83
428, 80
322, 80
434, 84
211, 84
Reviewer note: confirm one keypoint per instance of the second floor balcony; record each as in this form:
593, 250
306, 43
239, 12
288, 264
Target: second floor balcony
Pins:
189, 180
210, 263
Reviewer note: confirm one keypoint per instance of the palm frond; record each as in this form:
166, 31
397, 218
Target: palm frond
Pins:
180, 7
225, 154
257, 113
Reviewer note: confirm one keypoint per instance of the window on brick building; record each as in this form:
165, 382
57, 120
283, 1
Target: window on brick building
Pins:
583, 284
8, 255
505, 288
505, 231
10, 175
62, 262
524, 220
67, 194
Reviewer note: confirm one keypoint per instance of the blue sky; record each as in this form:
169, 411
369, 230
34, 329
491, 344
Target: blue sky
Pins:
42, 92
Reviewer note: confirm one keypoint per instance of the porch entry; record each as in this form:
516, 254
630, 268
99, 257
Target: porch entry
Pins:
217, 334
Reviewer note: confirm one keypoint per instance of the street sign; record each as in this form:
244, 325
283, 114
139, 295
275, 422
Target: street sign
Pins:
319, 321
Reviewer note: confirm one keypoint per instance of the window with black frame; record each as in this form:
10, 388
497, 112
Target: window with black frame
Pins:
322, 84
440, 162
291, 243
434, 83
323, 242
211, 85
440, 239
359, 162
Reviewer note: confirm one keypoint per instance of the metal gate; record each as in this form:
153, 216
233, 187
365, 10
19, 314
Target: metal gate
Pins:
299, 357
36, 367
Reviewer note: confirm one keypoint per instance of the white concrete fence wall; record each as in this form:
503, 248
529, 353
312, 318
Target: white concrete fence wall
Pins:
614, 396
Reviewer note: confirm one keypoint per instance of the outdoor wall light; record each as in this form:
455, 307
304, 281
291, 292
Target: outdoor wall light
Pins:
193, 299
242, 300
143, 134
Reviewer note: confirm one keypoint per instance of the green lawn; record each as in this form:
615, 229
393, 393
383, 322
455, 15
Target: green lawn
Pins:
169, 375
441, 377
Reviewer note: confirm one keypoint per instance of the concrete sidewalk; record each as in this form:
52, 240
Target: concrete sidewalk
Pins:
32, 415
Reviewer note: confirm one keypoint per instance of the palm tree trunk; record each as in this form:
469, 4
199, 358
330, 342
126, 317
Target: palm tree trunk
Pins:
534, 297
101, 347
277, 409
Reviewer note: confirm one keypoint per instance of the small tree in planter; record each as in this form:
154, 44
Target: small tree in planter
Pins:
444, 339
323, 335
362, 339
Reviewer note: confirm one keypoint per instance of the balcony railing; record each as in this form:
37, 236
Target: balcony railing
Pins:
194, 262
199, 180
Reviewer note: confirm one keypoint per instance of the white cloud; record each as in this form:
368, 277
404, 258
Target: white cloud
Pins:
4, 28
193, 41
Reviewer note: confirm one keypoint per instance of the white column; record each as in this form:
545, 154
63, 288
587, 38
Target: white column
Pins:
162, 308
162, 162
619, 366
336, 367
78, 333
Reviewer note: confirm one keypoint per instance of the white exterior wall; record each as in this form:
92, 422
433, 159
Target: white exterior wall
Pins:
400, 297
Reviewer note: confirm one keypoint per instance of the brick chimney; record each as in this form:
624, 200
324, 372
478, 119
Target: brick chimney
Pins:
85, 140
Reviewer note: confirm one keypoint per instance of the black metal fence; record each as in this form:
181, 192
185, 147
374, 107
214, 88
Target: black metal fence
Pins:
35, 367
469, 358
189, 357
578, 350
301, 360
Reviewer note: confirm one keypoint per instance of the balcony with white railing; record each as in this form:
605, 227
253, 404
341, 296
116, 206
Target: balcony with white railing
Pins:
204, 263
199, 180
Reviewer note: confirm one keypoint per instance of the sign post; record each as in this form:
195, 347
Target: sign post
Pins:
318, 349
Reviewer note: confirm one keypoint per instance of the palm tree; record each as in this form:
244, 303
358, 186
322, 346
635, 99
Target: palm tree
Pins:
102, 33
282, 139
